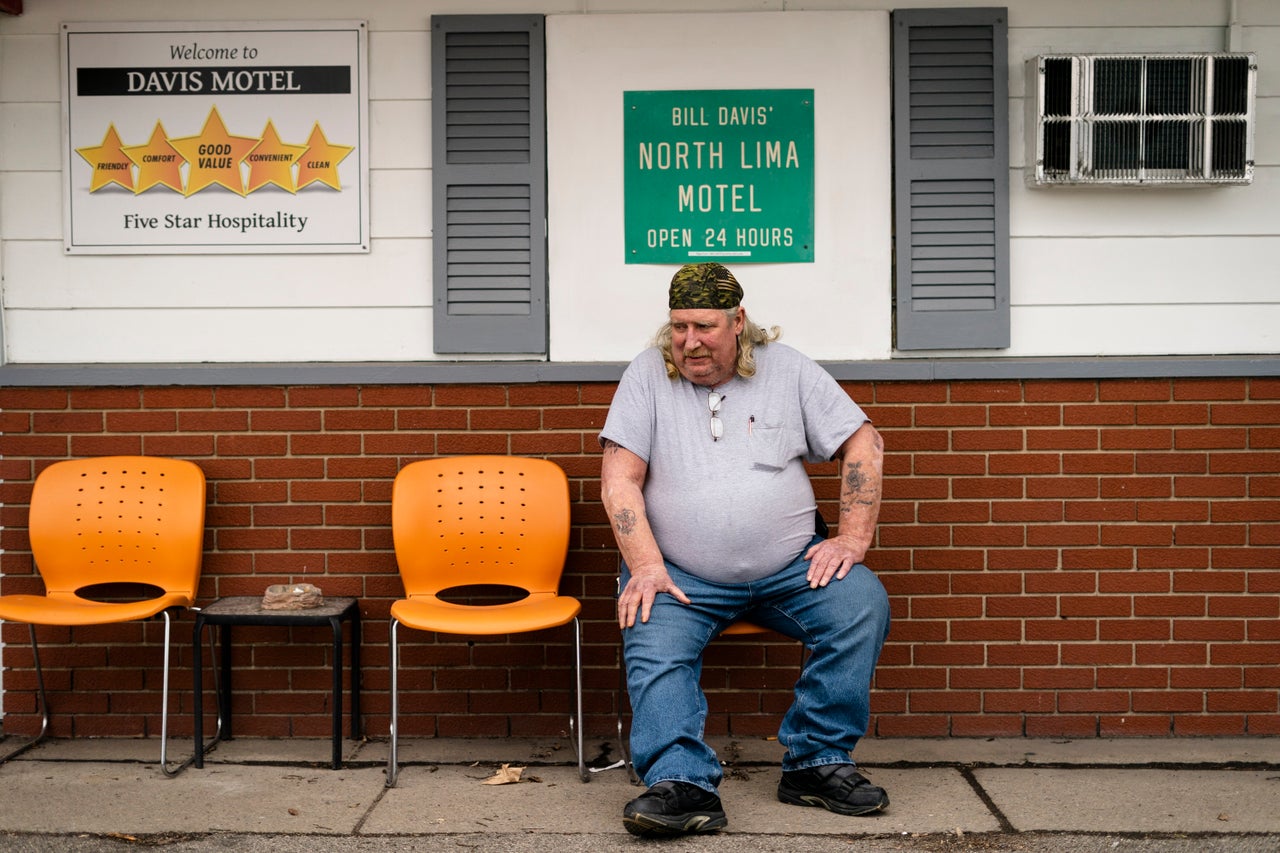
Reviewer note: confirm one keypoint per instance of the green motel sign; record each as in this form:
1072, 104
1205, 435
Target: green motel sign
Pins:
723, 175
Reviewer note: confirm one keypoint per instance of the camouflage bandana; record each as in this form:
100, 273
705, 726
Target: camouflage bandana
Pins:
704, 286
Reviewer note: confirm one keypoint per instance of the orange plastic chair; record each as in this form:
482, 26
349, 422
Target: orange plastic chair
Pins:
115, 539
482, 521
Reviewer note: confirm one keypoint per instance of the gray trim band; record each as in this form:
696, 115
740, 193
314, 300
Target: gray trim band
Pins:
525, 372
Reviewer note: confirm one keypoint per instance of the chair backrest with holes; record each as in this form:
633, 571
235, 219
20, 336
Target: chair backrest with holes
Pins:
480, 520
119, 519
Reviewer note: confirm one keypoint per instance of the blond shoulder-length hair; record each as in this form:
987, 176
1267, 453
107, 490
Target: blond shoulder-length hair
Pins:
749, 338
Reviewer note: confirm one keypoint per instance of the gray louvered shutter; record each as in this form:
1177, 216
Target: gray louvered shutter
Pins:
951, 178
489, 186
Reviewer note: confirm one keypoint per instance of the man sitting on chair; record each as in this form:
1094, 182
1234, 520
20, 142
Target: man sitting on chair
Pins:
704, 483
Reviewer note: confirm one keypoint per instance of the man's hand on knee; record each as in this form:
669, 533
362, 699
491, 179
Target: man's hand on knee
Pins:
642, 588
831, 558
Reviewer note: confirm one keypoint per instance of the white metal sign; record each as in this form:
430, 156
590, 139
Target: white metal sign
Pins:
215, 138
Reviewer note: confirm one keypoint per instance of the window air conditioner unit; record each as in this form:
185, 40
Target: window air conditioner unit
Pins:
1141, 119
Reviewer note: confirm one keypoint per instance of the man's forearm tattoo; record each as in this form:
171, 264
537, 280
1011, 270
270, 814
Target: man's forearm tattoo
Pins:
861, 488
625, 521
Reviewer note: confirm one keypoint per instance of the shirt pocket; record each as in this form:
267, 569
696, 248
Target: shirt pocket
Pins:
769, 447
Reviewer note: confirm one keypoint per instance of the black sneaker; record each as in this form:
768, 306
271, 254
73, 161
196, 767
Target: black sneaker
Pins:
673, 808
837, 787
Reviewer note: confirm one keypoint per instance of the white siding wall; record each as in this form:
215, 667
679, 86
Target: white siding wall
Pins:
220, 308
1115, 272
1148, 271
837, 307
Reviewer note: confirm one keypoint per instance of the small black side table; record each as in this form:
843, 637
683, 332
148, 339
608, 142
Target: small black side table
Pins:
247, 610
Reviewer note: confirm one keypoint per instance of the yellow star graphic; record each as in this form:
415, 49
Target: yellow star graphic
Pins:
158, 162
271, 161
109, 163
320, 163
214, 156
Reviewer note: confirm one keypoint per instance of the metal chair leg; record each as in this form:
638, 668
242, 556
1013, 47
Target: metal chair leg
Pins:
205, 748
164, 709
43, 699
575, 720
393, 770
624, 738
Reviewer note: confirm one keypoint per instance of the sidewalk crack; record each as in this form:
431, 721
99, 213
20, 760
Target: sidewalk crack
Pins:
967, 773
358, 829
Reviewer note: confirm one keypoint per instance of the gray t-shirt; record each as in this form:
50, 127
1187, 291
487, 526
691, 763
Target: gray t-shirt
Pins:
739, 508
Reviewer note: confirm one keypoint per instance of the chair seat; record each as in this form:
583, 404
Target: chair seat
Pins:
538, 611
742, 628
69, 610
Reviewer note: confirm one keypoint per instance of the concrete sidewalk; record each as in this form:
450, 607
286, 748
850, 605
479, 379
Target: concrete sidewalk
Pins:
1175, 794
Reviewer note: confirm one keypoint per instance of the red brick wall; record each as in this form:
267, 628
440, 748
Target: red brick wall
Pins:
1065, 558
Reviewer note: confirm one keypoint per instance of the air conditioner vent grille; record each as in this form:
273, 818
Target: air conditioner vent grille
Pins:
1142, 119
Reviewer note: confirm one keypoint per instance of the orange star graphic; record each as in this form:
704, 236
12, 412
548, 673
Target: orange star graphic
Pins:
109, 163
320, 163
214, 156
271, 161
158, 162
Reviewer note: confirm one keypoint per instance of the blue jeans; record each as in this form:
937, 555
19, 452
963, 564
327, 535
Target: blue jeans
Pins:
843, 625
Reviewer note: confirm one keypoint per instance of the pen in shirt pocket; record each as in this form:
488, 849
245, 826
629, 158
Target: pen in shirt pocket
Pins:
751, 422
